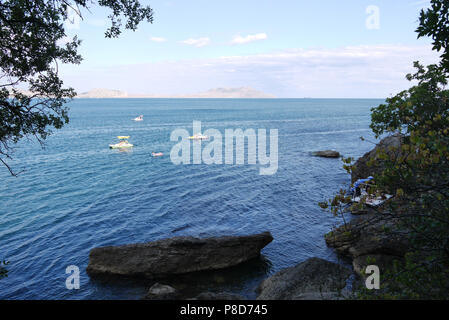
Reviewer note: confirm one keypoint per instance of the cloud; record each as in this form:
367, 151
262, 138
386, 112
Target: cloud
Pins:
158, 39
199, 42
370, 71
238, 39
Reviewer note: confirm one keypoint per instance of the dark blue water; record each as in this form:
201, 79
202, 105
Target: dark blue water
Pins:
77, 194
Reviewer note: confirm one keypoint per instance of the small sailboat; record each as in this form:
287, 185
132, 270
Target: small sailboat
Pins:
198, 136
139, 118
122, 144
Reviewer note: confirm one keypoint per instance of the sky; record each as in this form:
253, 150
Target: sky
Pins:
288, 48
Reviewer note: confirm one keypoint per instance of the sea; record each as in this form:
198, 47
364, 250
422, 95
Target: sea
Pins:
76, 193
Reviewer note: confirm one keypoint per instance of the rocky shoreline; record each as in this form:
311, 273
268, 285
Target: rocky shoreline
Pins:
373, 237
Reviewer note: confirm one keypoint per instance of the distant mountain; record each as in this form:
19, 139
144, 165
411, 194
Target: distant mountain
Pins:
242, 92
103, 93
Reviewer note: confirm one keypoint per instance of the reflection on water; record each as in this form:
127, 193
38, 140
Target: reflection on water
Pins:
124, 150
243, 278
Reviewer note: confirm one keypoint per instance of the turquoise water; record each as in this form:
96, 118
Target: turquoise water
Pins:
77, 194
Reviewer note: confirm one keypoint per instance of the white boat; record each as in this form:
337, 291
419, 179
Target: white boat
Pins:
157, 154
198, 137
139, 118
122, 144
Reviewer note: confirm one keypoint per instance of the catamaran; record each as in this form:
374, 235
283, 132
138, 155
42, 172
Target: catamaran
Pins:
139, 118
122, 144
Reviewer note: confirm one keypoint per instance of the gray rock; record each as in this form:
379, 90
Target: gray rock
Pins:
218, 296
326, 154
362, 167
177, 255
383, 261
310, 280
367, 235
320, 296
161, 292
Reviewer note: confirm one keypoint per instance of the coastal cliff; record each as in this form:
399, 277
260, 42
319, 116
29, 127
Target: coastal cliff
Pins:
370, 164
374, 237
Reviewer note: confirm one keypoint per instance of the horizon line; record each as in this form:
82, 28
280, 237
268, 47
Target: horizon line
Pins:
221, 98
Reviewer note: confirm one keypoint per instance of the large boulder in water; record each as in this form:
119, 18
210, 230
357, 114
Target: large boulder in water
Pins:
326, 154
177, 255
369, 164
313, 279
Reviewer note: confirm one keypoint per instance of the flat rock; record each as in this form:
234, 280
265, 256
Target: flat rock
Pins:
310, 280
326, 154
178, 255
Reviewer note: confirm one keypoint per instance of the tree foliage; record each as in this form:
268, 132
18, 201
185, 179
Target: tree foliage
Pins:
416, 172
416, 107
434, 23
33, 42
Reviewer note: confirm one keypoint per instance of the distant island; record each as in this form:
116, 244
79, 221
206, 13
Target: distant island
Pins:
103, 93
241, 92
